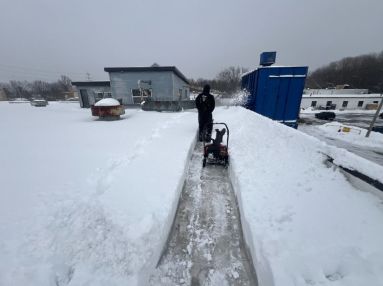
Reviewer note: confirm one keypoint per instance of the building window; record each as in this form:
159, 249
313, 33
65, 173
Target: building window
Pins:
186, 93
329, 103
99, 96
140, 95
313, 103
345, 103
360, 103
375, 102
180, 93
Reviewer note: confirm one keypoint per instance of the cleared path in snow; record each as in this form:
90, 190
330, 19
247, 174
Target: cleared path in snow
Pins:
206, 245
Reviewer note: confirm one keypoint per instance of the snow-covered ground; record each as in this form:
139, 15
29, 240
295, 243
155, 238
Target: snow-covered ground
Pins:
352, 134
88, 202
349, 137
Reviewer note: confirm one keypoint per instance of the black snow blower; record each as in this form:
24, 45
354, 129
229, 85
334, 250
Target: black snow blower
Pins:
217, 152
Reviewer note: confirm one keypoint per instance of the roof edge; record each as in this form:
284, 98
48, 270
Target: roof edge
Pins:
90, 83
148, 69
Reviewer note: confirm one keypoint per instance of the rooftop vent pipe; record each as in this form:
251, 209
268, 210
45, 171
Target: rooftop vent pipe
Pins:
267, 58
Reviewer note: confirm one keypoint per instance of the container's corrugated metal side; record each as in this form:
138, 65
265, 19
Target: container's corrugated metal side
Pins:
276, 92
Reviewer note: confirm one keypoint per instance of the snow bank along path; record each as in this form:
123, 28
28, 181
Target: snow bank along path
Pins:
87, 202
91, 203
304, 222
206, 244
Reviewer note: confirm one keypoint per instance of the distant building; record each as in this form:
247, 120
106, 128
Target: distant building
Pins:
341, 101
335, 91
343, 86
91, 91
3, 95
132, 85
157, 88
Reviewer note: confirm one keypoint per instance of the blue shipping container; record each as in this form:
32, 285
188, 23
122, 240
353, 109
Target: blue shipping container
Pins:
276, 92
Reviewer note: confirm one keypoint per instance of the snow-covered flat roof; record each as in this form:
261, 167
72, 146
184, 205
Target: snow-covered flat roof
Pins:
105, 211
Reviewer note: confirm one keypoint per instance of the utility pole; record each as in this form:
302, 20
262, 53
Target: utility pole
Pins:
88, 76
375, 117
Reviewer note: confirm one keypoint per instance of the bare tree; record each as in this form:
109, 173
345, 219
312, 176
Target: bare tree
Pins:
227, 81
51, 91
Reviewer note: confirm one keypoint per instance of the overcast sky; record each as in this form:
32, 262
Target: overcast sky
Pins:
41, 39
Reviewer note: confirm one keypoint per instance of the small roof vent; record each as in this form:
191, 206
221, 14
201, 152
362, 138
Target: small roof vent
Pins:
155, 65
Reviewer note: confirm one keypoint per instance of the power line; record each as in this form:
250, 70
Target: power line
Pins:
34, 69
10, 72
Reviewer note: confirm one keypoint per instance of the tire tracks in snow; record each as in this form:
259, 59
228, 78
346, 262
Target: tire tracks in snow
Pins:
206, 245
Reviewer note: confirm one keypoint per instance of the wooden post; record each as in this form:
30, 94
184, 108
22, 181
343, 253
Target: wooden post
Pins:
375, 117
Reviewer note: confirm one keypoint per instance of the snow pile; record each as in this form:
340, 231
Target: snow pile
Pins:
88, 202
352, 134
304, 222
19, 100
353, 162
107, 102
308, 110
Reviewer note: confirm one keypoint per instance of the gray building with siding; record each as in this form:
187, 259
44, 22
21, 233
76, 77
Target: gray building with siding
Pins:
131, 85
92, 91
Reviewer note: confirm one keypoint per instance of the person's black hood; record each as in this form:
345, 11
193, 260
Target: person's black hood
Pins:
206, 89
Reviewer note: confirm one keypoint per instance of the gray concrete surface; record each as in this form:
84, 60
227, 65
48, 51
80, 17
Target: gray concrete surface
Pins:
206, 245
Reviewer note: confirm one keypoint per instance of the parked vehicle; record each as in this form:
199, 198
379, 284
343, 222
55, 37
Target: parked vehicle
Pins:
325, 115
39, 102
377, 129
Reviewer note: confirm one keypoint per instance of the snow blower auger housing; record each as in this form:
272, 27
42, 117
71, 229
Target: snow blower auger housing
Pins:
216, 152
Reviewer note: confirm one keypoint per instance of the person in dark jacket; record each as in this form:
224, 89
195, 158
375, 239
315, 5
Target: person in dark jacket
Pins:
205, 104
